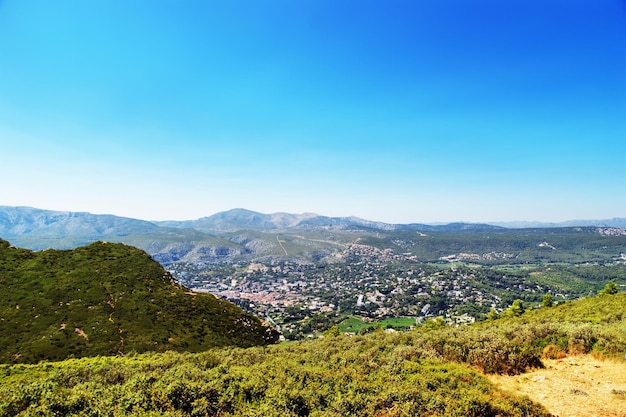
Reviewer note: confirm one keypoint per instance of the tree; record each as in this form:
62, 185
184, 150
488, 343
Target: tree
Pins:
435, 323
492, 315
547, 300
516, 309
609, 289
333, 332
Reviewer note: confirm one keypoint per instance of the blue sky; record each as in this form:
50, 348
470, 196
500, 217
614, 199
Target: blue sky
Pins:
399, 111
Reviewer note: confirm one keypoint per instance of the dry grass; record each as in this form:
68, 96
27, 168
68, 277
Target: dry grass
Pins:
575, 386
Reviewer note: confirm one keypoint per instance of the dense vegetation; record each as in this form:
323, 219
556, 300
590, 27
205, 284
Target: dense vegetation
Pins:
379, 375
433, 370
108, 299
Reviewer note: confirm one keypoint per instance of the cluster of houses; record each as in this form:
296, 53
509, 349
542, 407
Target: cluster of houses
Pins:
364, 280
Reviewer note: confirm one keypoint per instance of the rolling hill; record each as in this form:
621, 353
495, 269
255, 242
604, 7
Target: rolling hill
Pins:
108, 299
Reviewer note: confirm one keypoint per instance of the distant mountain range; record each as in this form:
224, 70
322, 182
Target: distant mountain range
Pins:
32, 222
20, 221
615, 222
23, 221
239, 219
242, 219
236, 234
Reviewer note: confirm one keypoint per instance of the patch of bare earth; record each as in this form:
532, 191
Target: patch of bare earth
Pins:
575, 386
81, 333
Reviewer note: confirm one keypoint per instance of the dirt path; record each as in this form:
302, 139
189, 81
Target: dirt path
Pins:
576, 386
280, 242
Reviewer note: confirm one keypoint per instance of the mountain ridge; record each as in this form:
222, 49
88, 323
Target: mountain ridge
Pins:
244, 235
18, 220
617, 222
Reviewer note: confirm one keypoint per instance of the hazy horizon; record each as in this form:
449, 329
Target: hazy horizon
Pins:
397, 111
506, 223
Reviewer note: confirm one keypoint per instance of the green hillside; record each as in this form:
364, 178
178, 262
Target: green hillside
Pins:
377, 375
108, 299
434, 370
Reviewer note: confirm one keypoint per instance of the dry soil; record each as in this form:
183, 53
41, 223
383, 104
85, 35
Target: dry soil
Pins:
575, 386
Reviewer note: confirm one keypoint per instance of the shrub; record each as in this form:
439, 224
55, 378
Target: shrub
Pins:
609, 289
581, 340
553, 352
546, 301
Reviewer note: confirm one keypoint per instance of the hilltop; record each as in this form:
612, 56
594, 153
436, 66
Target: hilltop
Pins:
108, 299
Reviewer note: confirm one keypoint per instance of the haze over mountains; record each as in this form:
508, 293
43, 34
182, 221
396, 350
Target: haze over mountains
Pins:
241, 234
19, 221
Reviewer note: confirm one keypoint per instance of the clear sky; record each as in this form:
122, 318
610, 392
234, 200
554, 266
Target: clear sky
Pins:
398, 111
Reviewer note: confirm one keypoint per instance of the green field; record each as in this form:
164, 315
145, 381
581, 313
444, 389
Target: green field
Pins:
355, 324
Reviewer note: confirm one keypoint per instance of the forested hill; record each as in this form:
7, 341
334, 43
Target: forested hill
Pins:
108, 299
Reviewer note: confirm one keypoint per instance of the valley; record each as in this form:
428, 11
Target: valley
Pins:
307, 273
377, 320
303, 299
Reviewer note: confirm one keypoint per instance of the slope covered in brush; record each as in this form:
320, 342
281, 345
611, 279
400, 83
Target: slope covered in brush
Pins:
364, 376
434, 370
106, 299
